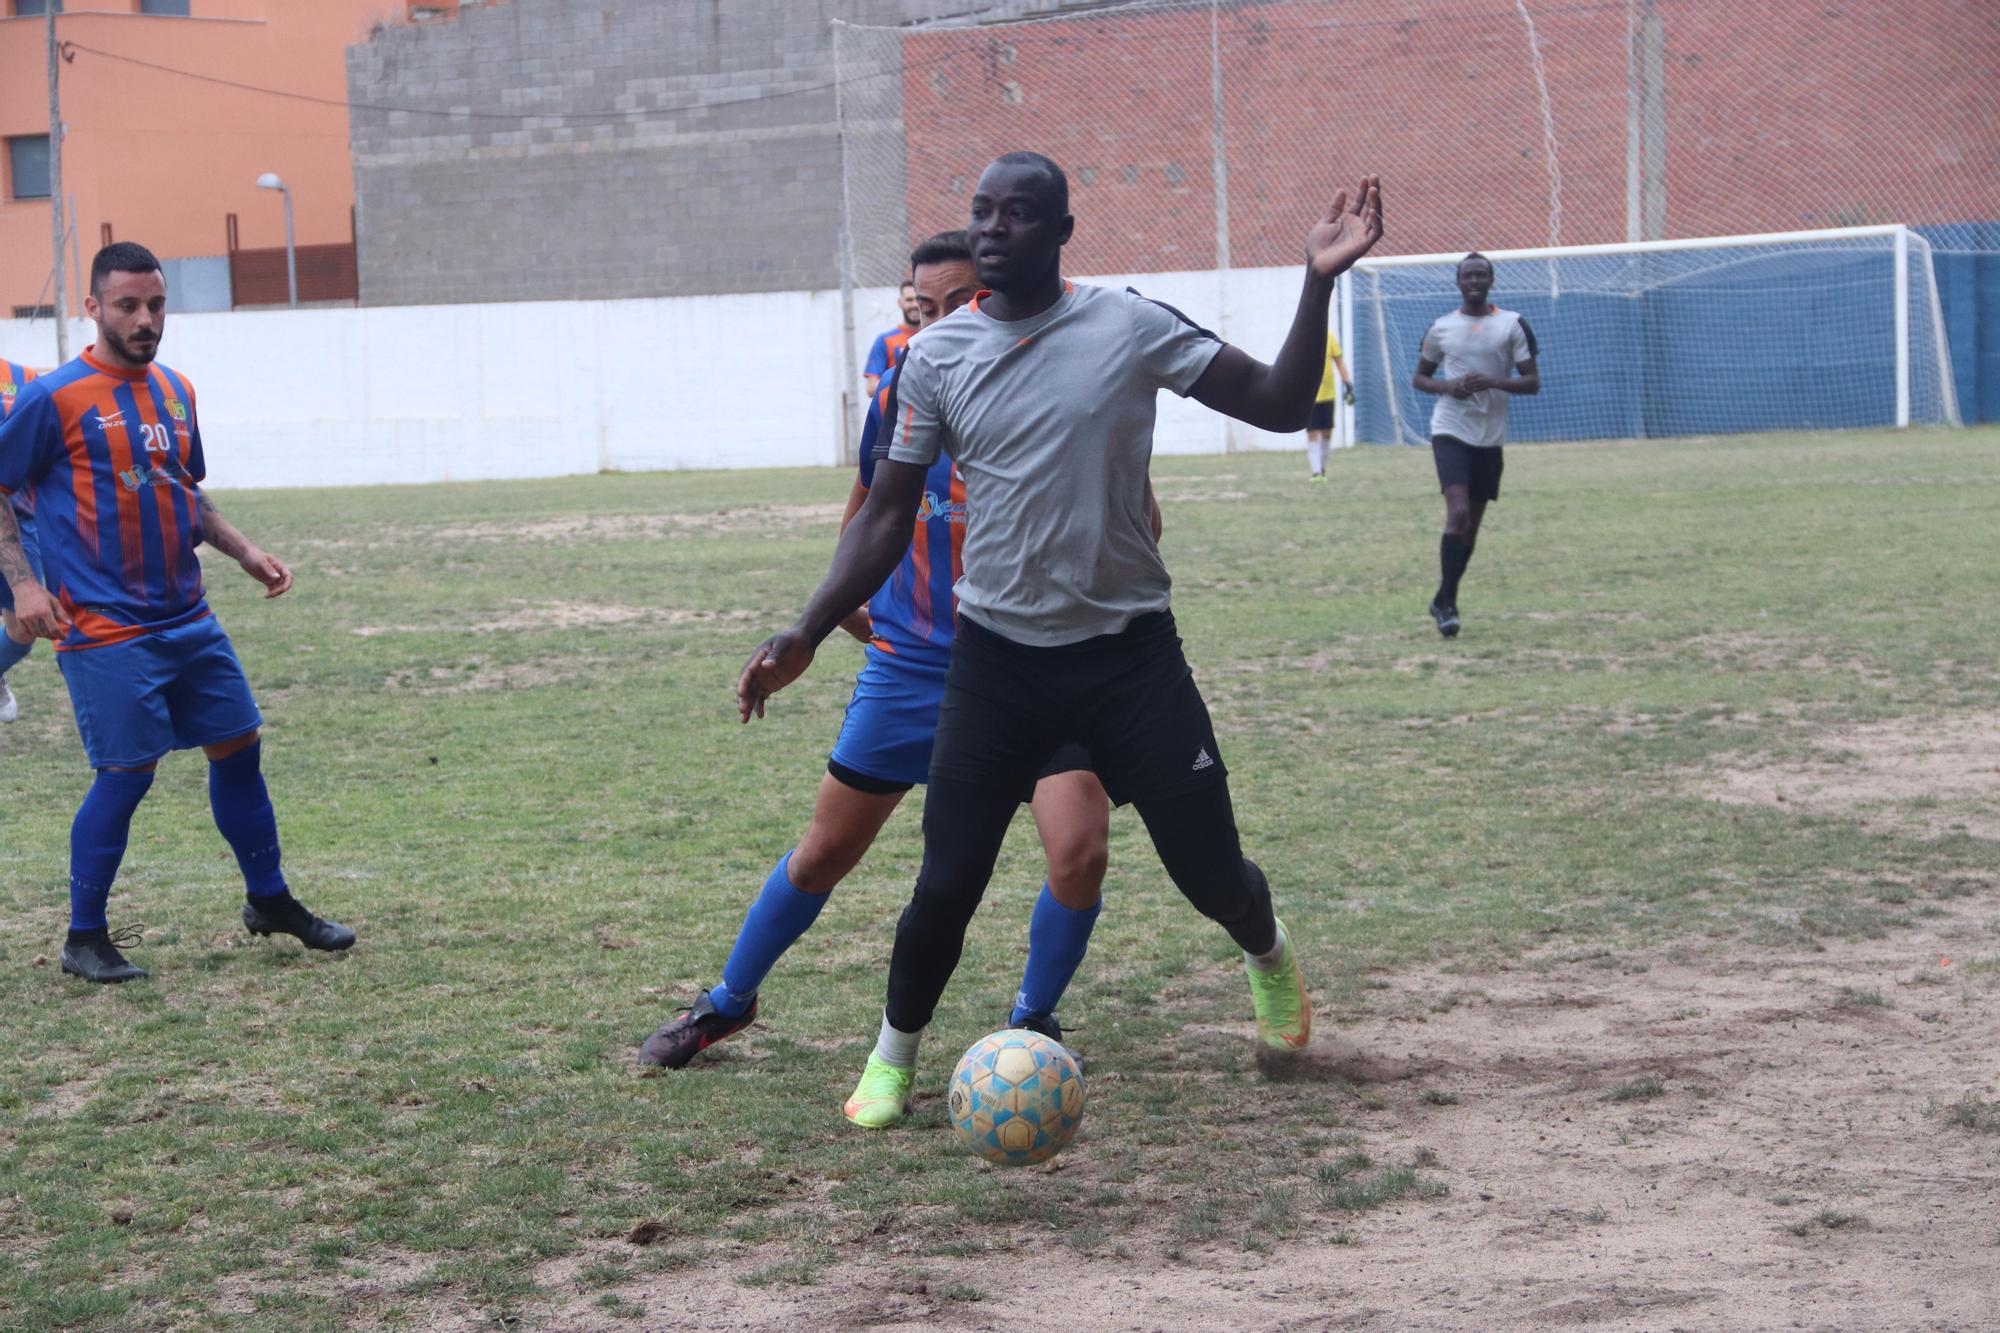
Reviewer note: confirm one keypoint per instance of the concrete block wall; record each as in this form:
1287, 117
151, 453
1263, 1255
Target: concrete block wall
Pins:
664, 148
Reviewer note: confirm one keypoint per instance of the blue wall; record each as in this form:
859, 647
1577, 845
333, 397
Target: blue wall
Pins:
1969, 291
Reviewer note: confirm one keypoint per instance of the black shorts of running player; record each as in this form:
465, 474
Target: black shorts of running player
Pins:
1071, 758
1459, 464
1322, 416
1127, 701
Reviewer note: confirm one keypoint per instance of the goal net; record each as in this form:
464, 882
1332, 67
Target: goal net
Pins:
1806, 331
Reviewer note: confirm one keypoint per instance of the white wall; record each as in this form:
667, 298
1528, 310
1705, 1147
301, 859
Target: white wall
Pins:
399, 394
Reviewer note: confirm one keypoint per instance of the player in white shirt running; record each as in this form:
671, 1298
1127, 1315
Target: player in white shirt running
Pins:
1473, 358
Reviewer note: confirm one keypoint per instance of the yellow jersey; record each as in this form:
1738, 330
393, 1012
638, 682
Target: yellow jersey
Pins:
1329, 383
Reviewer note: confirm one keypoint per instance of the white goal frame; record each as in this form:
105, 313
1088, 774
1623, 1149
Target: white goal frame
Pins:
1369, 270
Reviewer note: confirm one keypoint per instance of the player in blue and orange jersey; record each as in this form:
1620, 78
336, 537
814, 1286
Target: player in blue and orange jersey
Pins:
15, 641
108, 449
884, 750
888, 346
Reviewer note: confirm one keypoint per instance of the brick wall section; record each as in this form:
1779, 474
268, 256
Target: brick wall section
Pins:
1781, 115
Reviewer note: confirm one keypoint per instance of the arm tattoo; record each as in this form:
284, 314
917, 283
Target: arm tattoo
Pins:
13, 560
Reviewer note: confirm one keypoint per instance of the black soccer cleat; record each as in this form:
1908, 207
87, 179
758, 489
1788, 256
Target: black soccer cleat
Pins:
692, 1031
1446, 618
96, 958
1046, 1025
286, 915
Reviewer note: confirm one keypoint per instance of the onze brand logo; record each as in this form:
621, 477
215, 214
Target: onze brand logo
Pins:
115, 419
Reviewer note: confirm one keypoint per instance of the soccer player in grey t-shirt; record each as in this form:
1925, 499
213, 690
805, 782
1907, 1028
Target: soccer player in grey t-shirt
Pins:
1484, 353
1044, 393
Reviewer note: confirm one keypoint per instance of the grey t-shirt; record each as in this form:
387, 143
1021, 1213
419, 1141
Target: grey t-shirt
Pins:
1492, 344
1050, 420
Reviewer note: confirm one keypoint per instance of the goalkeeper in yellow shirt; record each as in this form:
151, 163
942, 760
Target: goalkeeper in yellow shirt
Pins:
1319, 426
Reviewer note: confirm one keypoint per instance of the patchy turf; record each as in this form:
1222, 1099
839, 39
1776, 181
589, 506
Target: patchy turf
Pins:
502, 745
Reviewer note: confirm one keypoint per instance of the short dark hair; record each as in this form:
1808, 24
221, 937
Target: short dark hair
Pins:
1044, 166
1475, 255
907, 283
944, 248
121, 257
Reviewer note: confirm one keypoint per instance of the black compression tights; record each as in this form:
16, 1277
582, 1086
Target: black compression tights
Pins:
1195, 835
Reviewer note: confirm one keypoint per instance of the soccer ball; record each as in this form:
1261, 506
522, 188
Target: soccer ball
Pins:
1016, 1097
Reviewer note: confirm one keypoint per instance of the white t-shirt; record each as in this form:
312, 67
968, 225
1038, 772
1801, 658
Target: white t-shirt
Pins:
1491, 344
1050, 420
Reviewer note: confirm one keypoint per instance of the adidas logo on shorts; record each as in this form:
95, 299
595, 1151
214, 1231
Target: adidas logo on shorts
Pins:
1203, 760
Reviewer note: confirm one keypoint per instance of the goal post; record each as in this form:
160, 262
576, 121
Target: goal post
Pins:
1801, 330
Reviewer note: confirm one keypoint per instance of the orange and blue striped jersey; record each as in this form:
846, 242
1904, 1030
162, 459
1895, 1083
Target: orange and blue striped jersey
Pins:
887, 351
112, 461
915, 613
13, 378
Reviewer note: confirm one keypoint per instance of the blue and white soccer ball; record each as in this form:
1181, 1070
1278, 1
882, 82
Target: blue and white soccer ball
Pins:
1016, 1097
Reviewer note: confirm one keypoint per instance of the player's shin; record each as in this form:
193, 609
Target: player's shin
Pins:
782, 913
1058, 937
97, 843
12, 650
242, 807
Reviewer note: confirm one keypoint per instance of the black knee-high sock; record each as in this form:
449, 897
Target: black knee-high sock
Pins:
1454, 554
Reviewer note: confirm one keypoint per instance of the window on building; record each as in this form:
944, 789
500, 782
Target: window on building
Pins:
23, 8
28, 167
165, 8
34, 312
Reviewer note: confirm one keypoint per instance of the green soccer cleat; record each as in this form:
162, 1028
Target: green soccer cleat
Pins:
1284, 1011
882, 1098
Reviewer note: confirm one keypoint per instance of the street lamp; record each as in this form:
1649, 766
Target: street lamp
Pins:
270, 181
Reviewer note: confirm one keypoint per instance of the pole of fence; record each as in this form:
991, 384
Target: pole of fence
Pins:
56, 187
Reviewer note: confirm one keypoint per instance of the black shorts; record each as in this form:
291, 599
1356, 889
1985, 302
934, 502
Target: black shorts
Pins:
1127, 699
1459, 464
1322, 416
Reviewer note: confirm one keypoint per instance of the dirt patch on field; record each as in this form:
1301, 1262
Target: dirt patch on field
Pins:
543, 616
1931, 775
1716, 1139
571, 528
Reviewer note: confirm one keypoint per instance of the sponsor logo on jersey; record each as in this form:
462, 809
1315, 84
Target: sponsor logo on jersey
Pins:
951, 510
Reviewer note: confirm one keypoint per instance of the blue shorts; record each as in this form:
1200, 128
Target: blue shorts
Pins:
172, 690
31, 545
885, 743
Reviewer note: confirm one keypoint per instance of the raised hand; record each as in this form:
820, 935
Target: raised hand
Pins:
778, 661
1348, 231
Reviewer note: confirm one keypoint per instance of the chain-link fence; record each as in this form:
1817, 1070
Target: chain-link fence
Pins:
1203, 135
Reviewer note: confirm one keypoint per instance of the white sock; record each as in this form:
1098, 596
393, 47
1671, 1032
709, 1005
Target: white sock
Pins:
1316, 452
897, 1047
1272, 961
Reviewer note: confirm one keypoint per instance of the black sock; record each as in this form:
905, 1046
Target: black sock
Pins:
86, 936
1454, 554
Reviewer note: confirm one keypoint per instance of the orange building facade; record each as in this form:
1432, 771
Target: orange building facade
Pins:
169, 120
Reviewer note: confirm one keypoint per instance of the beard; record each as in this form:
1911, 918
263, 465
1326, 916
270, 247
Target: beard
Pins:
139, 354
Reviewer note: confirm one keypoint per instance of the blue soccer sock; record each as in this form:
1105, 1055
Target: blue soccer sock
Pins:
11, 653
97, 842
242, 806
1057, 939
781, 914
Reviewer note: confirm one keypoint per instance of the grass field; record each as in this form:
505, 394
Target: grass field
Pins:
502, 744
